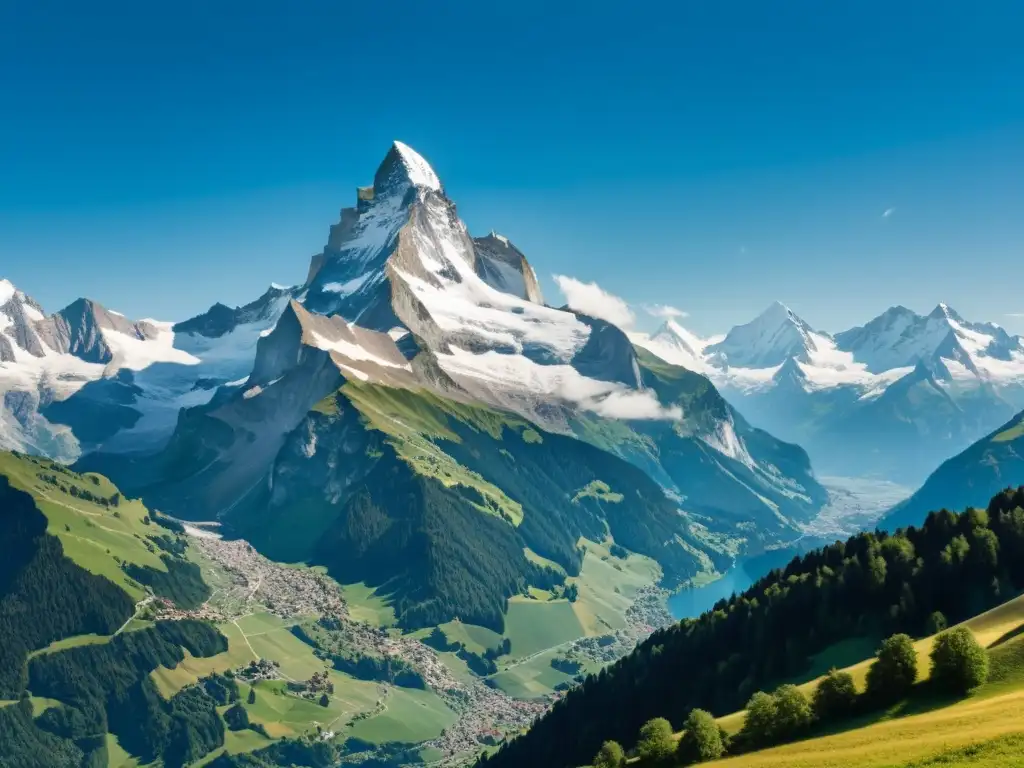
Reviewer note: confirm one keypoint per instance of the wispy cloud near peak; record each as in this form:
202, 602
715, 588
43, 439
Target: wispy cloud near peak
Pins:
664, 311
591, 299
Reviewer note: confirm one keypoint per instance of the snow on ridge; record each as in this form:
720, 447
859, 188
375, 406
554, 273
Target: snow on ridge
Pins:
460, 303
354, 352
419, 170
375, 229
355, 284
868, 358
7, 291
676, 345
136, 354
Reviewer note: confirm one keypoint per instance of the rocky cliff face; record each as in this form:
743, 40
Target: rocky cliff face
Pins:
504, 267
84, 329
54, 369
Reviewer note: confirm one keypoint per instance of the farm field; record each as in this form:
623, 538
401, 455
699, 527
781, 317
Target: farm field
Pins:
170, 681
532, 626
364, 604
410, 716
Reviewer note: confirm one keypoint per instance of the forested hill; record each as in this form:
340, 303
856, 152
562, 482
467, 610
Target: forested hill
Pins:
872, 585
73, 562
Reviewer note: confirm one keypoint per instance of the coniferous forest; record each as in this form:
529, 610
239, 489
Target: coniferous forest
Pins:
44, 596
872, 585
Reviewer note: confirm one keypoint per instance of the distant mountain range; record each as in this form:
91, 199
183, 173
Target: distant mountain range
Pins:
893, 398
412, 415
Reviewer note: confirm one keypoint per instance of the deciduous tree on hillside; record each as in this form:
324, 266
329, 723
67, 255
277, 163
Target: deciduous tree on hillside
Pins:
959, 663
894, 671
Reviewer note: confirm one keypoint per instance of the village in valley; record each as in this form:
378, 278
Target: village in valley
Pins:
244, 584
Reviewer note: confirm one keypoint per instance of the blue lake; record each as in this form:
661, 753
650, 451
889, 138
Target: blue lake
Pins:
691, 603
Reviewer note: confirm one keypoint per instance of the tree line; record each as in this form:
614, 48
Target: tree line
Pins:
958, 665
872, 585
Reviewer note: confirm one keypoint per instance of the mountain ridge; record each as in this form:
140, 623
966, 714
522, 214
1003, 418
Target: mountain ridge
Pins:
825, 392
991, 464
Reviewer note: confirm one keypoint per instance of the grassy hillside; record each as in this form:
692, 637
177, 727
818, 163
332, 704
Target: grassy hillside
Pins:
981, 729
435, 505
871, 586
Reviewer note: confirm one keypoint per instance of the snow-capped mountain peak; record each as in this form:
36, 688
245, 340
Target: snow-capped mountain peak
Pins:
405, 166
673, 333
770, 339
7, 291
791, 373
944, 311
899, 338
19, 314
675, 344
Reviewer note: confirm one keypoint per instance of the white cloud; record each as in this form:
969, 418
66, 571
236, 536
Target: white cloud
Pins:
632, 405
515, 373
888, 212
1017, 315
591, 299
664, 311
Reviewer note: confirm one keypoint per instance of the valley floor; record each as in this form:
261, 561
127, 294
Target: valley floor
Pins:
256, 603
855, 504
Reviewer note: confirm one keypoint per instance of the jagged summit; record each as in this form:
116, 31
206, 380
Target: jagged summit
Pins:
671, 332
220, 319
404, 166
943, 310
900, 337
675, 344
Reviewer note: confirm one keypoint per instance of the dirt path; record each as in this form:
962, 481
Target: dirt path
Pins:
138, 607
246, 638
80, 511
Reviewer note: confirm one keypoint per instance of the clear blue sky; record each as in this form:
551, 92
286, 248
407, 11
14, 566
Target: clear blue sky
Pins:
712, 155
